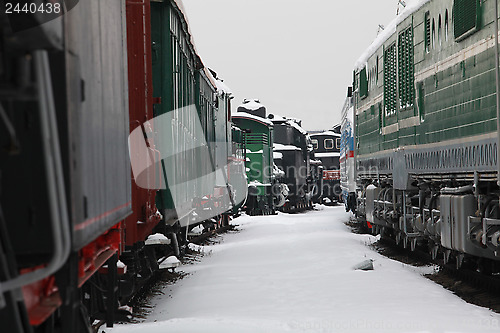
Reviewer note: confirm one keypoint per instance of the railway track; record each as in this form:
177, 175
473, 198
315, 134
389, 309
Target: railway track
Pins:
200, 239
138, 308
472, 286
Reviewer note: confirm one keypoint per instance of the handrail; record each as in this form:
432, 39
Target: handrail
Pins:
54, 177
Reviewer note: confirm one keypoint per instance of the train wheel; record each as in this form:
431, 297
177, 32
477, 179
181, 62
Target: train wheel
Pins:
226, 220
405, 242
175, 244
446, 256
413, 244
398, 237
434, 252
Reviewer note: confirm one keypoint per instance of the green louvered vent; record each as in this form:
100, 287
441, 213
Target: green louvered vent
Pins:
466, 18
363, 83
405, 69
258, 138
390, 78
427, 32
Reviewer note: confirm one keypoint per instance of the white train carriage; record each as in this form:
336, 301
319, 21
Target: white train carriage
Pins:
347, 158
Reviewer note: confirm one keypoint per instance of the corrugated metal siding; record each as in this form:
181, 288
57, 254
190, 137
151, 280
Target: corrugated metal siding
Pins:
101, 174
141, 109
466, 17
454, 101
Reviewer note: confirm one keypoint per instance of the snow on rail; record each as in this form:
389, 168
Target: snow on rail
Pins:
294, 273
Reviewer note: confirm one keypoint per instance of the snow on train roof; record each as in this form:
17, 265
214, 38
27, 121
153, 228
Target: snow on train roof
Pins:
222, 87
329, 133
182, 10
294, 124
251, 116
280, 147
219, 84
251, 104
410, 8
276, 117
180, 7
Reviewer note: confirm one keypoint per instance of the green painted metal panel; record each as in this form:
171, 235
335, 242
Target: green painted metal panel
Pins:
406, 72
363, 83
466, 18
259, 140
451, 101
178, 83
427, 32
369, 131
390, 80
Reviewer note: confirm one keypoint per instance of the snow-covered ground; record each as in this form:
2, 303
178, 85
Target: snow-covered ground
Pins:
293, 273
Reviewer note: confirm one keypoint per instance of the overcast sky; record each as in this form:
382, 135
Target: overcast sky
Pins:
296, 56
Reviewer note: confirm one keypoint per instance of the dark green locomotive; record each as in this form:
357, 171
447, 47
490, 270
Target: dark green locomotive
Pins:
258, 142
426, 129
192, 126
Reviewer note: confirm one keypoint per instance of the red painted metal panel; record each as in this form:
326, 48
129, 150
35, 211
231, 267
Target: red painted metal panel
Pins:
95, 254
144, 217
41, 298
331, 174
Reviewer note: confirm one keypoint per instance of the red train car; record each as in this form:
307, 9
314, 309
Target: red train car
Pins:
74, 227
68, 206
144, 215
137, 258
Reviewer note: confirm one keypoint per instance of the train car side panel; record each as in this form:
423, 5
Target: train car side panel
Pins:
99, 155
144, 217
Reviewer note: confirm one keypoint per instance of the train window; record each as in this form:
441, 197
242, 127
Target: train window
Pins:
380, 124
390, 79
433, 40
328, 143
315, 144
371, 79
466, 18
368, 80
420, 100
427, 32
439, 30
405, 70
363, 83
446, 25
337, 143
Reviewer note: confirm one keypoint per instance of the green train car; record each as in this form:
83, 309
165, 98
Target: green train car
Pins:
192, 127
239, 185
426, 130
258, 142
